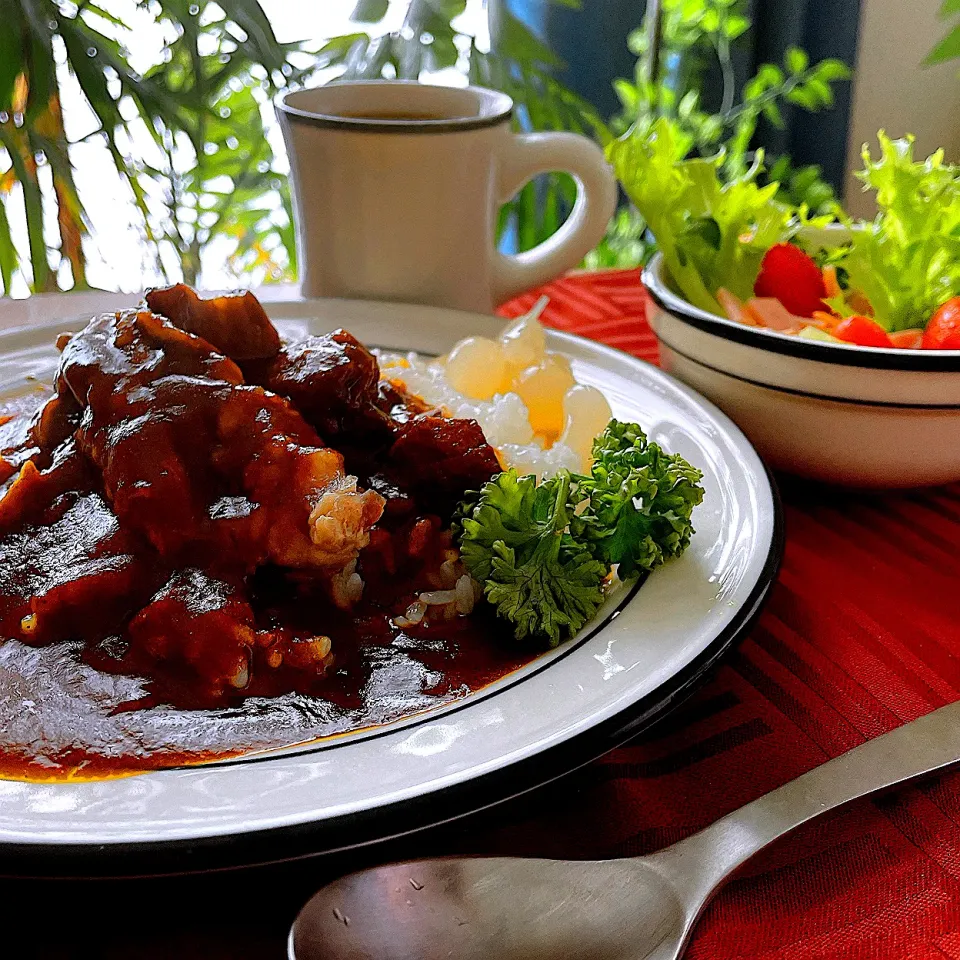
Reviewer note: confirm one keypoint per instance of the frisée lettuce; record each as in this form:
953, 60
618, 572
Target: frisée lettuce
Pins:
712, 233
906, 261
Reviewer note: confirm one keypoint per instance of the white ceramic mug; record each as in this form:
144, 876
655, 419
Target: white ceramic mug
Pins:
398, 187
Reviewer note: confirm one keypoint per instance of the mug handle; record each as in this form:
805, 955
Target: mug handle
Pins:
530, 154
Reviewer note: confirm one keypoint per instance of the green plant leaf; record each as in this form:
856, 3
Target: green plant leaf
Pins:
11, 64
831, 70
33, 207
628, 95
772, 112
42, 75
370, 11
736, 26
802, 97
947, 49
797, 60
8, 252
821, 90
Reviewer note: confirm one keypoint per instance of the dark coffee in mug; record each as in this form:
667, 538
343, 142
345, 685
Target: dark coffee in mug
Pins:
397, 116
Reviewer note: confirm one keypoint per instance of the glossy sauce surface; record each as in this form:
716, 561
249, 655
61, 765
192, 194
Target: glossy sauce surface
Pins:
69, 712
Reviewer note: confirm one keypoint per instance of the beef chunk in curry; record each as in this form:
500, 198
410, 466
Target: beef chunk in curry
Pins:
185, 450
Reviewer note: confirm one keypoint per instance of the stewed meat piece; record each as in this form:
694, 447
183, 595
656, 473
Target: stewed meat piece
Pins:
36, 492
122, 350
235, 324
74, 575
208, 470
200, 624
204, 628
55, 423
333, 381
438, 459
313, 515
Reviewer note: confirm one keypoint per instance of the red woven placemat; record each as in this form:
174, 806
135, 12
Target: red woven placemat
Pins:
861, 635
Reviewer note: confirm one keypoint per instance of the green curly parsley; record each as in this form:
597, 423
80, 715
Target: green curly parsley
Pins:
639, 501
543, 551
514, 540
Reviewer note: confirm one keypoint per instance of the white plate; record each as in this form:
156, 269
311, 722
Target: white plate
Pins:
569, 706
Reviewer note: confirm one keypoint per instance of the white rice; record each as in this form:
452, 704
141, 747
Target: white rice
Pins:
346, 587
458, 601
505, 422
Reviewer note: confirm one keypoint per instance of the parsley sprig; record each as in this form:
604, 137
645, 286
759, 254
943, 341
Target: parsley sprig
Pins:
543, 552
639, 501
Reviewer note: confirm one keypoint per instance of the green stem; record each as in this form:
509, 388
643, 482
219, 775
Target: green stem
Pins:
561, 505
727, 72
140, 199
654, 45
33, 207
768, 96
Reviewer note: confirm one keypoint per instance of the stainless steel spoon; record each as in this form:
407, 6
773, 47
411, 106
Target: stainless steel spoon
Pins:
639, 909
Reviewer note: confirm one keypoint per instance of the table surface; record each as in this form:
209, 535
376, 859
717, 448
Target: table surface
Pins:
862, 634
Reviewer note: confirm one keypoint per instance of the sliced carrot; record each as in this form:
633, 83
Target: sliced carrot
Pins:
825, 321
773, 314
733, 307
907, 339
831, 283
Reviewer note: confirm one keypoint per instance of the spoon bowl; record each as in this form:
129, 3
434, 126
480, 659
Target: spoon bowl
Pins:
643, 908
511, 909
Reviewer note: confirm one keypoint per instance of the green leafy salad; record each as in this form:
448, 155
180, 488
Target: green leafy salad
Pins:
546, 552
734, 249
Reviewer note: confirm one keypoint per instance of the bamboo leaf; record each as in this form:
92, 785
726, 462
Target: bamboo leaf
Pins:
947, 49
98, 11
33, 206
370, 11
42, 75
12, 64
8, 252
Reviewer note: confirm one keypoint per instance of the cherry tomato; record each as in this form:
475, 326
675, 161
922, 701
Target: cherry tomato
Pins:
907, 339
862, 331
793, 278
943, 330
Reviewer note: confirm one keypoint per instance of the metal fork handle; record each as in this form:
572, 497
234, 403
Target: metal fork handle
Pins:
699, 865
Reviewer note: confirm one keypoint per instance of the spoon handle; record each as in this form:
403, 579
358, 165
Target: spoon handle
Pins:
701, 863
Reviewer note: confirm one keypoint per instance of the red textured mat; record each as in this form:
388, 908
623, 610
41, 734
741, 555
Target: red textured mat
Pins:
861, 635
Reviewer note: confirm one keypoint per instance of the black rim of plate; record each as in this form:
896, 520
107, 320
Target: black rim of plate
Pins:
848, 355
262, 847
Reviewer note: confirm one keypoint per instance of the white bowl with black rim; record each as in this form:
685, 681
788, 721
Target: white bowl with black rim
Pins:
861, 416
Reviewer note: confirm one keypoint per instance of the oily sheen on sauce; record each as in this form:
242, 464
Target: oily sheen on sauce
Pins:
51, 700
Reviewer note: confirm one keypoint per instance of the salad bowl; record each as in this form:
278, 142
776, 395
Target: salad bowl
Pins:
833, 343
835, 412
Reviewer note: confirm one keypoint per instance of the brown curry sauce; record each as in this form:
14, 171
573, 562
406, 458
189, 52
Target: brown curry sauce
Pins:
104, 705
